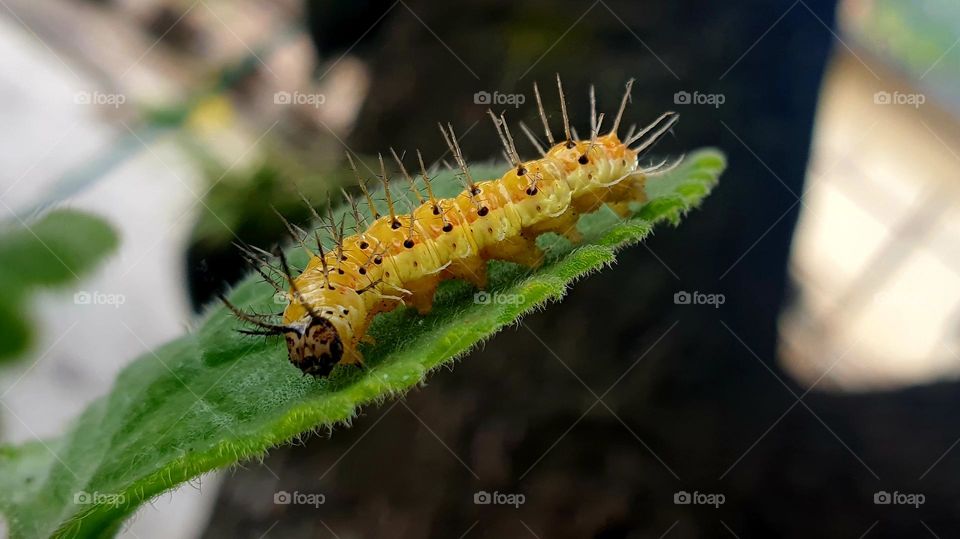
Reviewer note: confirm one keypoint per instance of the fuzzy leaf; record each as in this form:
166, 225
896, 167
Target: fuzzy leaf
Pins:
213, 397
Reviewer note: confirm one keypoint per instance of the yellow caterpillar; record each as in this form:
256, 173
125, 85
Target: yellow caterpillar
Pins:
401, 258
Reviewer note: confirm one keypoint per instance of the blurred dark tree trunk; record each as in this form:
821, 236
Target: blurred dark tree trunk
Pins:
693, 399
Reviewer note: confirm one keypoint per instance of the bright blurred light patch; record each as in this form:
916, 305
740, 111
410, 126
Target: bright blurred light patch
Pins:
877, 253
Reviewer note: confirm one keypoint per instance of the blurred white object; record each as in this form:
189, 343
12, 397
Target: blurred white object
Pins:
53, 124
875, 252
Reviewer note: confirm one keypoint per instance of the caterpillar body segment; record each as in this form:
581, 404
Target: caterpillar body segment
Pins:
401, 258
500, 221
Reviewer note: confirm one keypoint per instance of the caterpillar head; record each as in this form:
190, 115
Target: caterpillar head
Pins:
314, 347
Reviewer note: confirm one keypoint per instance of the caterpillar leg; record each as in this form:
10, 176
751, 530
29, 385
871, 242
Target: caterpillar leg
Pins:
572, 234
619, 197
622, 209
520, 250
564, 224
632, 190
473, 270
351, 356
422, 292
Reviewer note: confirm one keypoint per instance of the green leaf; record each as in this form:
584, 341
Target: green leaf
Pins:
53, 251
214, 397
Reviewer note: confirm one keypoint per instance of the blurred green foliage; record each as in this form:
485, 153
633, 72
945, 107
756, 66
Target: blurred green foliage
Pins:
917, 37
51, 252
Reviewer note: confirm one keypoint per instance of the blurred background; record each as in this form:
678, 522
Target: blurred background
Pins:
827, 378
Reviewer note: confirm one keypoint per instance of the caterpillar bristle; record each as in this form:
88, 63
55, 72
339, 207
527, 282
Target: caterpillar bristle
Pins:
296, 233
503, 140
257, 264
506, 138
593, 109
410, 232
513, 145
371, 286
246, 251
267, 333
336, 232
437, 209
410, 180
532, 185
671, 119
293, 285
266, 278
309, 205
272, 329
385, 180
543, 116
426, 180
640, 134
563, 111
358, 219
623, 107
265, 258
454, 146
363, 188
663, 167
532, 138
341, 236
593, 140
266, 254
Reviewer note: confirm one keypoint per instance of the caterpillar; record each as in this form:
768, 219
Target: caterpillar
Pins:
400, 258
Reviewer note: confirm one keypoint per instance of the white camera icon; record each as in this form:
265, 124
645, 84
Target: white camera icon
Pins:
482, 298
282, 497
482, 498
482, 98
682, 498
82, 298
882, 498
882, 98
682, 298
682, 98
282, 98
